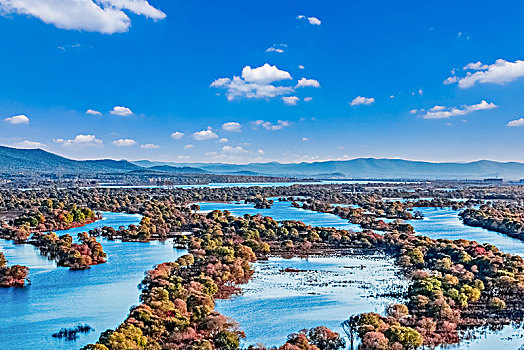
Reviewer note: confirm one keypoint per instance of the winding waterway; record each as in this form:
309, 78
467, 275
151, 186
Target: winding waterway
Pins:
58, 297
275, 303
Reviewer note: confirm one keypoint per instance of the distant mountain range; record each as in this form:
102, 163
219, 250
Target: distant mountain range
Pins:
366, 168
16, 161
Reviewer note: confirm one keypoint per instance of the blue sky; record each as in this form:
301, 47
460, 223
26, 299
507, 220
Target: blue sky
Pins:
374, 79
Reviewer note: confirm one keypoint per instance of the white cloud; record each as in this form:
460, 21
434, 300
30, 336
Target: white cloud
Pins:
275, 49
450, 80
177, 135
265, 74
359, 100
223, 140
121, 111
447, 112
307, 83
17, 119
311, 20
189, 146
149, 146
301, 66
93, 112
290, 100
261, 151
232, 126
307, 99
269, 126
81, 140
516, 122
205, 135
255, 83
124, 142
500, 72
305, 139
29, 144
314, 21
476, 66
234, 150
104, 16
278, 48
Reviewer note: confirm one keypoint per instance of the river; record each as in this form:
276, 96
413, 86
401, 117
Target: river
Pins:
273, 304
58, 297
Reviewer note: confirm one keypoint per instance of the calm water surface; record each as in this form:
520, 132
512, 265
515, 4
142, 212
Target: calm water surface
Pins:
274, 303
326, 291
58, 297
283, 211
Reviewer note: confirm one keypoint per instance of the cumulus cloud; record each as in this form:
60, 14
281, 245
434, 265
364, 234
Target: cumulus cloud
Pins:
307, 83
234, 150
440, 112
476, 66
177, 135
516, 122
17, 119
305, 139
121, 111
207, 134
255, 83
232, 126
149, 146
265, 74
223, 140
93, 112
301, 67
237, 87
189, 146
500, 72
29, 144
269, 126
104, 16
290, 100
81, 140
450, 80
359, 100
307, 99
312, 20
124, 142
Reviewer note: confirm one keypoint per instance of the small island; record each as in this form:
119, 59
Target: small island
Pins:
12, 276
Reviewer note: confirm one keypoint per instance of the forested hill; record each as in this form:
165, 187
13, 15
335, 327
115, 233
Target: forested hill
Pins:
16, 161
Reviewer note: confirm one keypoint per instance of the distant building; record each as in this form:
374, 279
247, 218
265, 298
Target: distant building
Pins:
494, 180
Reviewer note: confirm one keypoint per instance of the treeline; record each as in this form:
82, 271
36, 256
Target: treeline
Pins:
12, 276
77, 256
501, 217
46, 215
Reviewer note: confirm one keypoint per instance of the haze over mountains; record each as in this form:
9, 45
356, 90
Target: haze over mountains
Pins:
16, 161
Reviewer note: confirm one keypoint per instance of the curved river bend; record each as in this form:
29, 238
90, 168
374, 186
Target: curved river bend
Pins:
58, 297
273, 304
